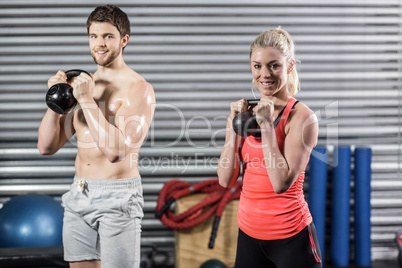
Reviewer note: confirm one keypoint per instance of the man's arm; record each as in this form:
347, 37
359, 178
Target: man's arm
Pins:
55, 129
132, 119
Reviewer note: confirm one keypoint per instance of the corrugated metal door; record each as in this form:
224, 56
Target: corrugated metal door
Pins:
195, 54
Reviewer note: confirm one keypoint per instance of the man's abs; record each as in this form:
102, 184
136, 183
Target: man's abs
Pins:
92, 164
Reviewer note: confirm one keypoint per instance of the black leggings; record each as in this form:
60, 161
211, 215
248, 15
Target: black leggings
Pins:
296, 251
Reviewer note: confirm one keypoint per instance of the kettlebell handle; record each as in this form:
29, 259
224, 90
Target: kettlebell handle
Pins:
59, 97
74, 73
253, 102
244, 123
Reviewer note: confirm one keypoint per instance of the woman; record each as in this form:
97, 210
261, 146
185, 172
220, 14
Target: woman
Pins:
275, 224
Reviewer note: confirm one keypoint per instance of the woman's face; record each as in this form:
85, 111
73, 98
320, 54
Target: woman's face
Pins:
270, 70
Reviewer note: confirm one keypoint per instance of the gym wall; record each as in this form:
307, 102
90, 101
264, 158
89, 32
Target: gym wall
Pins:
195, 54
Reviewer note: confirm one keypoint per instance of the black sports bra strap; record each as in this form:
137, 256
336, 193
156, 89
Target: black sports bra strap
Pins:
280, 114
276, 122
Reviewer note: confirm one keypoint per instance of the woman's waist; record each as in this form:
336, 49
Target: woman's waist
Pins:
267, 195
278, 207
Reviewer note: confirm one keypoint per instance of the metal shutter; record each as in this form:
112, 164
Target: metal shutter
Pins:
195, 54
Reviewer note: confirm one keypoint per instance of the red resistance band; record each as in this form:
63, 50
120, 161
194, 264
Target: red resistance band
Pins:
213, 203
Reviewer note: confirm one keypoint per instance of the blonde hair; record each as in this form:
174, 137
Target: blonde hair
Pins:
280, 39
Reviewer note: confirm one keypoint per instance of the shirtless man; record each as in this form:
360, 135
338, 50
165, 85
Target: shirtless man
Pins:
103, 208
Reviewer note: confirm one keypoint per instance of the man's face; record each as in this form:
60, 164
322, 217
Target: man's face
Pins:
105, 43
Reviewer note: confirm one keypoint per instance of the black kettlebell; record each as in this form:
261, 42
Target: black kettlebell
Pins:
244, 123
59, 97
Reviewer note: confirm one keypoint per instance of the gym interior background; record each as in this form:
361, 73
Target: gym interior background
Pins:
195, 54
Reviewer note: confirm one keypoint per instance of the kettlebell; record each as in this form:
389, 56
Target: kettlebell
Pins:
244, 123
213, 263
59, 97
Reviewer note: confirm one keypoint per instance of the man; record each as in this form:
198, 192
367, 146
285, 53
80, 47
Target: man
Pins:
103, 209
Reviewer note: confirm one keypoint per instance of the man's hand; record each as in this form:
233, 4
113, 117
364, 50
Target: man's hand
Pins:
58, 78
83, 87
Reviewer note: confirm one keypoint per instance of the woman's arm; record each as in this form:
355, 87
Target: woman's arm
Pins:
301, 137
229, 162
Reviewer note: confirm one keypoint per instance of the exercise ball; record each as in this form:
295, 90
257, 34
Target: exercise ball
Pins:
31, 221
213, 263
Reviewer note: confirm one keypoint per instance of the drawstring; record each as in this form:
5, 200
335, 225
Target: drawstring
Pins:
80, 185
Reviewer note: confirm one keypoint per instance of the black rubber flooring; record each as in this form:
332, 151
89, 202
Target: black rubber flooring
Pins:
383, 264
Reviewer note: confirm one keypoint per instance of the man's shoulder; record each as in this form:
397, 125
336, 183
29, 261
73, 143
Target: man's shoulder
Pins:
140, 86
136, 85
135, 80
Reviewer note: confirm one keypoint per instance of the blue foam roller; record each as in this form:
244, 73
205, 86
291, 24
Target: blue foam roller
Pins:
340, 207
318, 191
362, 190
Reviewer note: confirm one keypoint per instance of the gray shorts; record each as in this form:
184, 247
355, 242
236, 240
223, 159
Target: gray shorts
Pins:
102, 221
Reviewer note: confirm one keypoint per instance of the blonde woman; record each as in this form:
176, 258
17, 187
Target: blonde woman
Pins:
275, 225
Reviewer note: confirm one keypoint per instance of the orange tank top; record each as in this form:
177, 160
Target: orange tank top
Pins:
263, 214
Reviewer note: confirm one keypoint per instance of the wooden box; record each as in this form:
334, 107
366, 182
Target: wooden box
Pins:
192, 244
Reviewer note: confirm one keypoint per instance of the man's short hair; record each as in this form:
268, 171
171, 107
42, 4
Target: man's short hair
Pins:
113, 15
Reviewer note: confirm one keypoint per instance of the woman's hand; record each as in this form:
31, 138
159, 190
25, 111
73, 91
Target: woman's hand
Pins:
238, 107
264, 111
